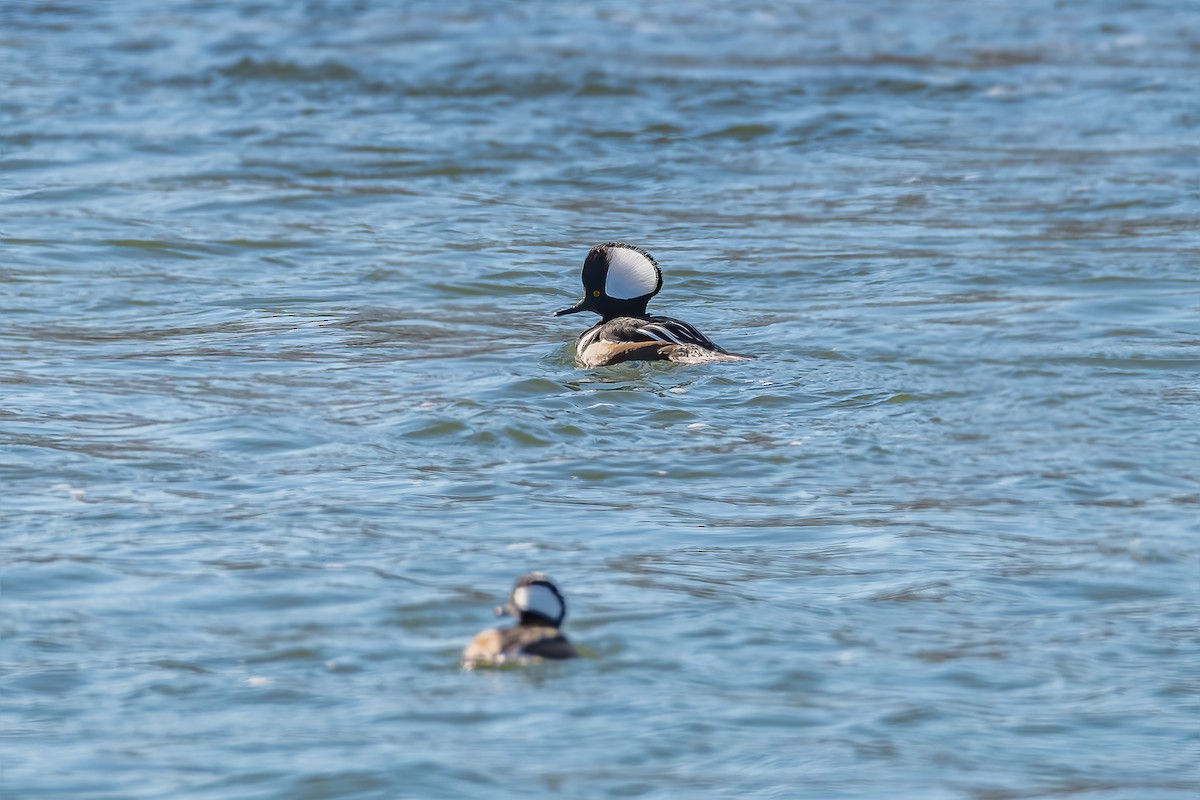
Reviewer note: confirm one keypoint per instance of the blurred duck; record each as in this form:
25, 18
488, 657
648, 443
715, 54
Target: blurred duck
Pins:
539, 608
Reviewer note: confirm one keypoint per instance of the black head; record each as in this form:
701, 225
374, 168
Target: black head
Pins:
618, 280
535, 600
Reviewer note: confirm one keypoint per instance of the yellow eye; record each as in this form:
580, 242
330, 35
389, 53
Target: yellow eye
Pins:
596, 293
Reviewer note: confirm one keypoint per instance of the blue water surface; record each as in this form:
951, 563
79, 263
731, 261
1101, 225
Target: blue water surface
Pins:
283, 411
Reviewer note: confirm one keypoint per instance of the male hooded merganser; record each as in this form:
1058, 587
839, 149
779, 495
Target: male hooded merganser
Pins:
539, 608
618, 281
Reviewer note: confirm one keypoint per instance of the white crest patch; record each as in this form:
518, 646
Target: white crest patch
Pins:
538, 599
630, 274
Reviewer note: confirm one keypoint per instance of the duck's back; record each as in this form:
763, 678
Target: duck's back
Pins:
648, 339
518, 643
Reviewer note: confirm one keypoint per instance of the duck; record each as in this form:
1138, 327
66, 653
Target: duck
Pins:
618, 282
539, 608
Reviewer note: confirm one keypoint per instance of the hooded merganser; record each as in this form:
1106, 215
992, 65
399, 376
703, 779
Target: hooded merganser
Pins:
618, 281
539, 608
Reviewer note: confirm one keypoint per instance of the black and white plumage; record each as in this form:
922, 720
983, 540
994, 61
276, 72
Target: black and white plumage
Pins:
540, 610
618, 282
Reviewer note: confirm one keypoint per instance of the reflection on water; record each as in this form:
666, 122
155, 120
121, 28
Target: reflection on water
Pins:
284, 410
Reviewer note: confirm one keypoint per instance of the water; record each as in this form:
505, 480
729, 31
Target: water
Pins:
284, 410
